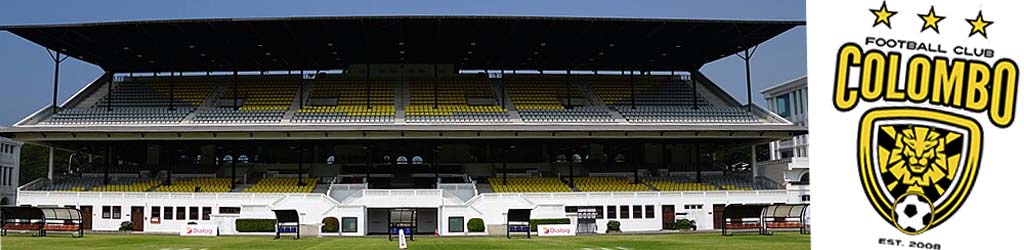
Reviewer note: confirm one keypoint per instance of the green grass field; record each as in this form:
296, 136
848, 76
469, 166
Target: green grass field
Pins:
785, 241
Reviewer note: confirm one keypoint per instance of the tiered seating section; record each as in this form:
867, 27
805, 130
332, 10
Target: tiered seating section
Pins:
128, 185
350, 106
527, 185
139, 101
282, 185
205, 185
453, 104
608, 184
339, 100
663, 100
710, 183
262, 101
545, 100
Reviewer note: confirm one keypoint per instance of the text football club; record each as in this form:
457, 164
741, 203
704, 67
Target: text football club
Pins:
919, 151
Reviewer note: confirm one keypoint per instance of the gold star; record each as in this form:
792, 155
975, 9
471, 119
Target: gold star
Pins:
931, 20
978, 25
882, 15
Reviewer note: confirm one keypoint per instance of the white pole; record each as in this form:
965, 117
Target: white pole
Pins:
49, 168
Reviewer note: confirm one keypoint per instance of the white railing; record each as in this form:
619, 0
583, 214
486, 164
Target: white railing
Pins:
161, 196
631, 195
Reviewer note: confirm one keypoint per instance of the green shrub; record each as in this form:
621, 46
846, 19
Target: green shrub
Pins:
475, 225
125, 226
330, 225
683, 224
535, 222
255, 225
614, 226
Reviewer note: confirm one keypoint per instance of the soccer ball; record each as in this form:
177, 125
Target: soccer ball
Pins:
913, 213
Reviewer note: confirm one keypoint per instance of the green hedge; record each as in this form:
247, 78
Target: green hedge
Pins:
614, 226
535, 222
255, 225
475, 225
330, 225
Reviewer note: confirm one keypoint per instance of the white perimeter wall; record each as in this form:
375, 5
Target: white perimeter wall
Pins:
490, 207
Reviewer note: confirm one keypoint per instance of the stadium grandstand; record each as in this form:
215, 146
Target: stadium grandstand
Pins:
447, 117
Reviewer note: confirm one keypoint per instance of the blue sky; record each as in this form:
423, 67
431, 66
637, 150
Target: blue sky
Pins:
26, 71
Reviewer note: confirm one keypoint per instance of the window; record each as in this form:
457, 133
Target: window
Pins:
117, 212
782, 105
600, 212
155, 212
193, 213
168, 213
623, 212
649, 211
693, 207
638, 212
180, 215
350, 225
455, 224
206, 212
106, 212
230, 210
805, 197
611, 212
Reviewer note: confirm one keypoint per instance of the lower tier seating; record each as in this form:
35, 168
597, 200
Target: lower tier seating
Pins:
282, 185
608, 184
528, 185
198, 185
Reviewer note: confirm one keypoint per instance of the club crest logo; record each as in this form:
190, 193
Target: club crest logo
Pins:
917, 166
919, 149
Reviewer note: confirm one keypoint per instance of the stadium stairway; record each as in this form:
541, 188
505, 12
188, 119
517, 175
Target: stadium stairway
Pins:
588, 92
497, 84
209, 101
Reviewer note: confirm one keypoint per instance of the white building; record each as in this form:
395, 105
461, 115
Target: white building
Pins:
788, 162
10, 155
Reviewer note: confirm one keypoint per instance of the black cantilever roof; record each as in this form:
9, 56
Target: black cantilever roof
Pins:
469, 42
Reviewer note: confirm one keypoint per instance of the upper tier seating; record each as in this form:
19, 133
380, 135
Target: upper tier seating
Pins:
263, 101
127, 185
282, 185
73, 184
452, 102
351, 103
663, 100
608, 184
139, 101
520, 184
201, 184
550, 100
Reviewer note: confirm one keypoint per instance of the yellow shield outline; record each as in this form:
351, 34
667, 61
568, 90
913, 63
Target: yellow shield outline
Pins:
874, 191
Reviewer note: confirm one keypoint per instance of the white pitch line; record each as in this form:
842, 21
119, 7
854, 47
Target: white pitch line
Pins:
623, 248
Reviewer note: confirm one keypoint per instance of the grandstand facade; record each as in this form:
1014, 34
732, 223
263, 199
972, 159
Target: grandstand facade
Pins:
447, 117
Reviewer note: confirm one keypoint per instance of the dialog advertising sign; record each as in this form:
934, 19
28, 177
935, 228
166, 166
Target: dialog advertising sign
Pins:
556, 230
915, 135
198, 230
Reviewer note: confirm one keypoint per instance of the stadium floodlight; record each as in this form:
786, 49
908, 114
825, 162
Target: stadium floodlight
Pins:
330, 160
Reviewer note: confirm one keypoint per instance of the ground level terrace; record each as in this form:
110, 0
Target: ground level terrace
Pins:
788, 241
368, 211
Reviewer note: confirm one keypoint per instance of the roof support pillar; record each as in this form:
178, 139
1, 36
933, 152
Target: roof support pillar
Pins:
234, 85
368, 86
110, 92
110, 161
747, 54
697, 161
58, 58
170, 100
49, 166
568, 91
632, 91
693, 91
302, 88
435, 85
